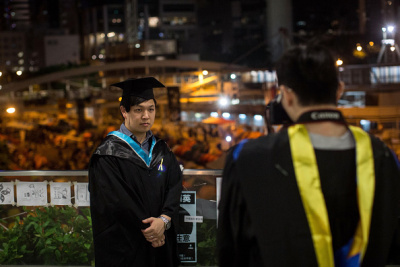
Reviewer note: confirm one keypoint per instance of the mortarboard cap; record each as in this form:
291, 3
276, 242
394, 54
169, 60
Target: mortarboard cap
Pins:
142, 87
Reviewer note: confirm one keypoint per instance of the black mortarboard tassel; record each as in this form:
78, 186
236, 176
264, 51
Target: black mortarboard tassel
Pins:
142, 87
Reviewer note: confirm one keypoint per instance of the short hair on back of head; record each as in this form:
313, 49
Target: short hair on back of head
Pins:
128, 101
311, 72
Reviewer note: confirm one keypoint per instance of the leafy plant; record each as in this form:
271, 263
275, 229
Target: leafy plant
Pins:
207, 243
54, 235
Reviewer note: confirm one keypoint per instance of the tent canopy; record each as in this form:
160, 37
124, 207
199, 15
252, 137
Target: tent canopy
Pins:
214, 120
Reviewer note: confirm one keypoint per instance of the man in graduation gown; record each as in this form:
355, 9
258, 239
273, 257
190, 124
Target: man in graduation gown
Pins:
317, 193
135, 184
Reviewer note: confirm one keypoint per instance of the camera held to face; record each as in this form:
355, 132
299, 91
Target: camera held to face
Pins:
275, 114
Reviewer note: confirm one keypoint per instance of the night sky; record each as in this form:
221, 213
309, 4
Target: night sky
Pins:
321, 14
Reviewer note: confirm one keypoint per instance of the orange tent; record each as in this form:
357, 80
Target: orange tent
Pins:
214, 120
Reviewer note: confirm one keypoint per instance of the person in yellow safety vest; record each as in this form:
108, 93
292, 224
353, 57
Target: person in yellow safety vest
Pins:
317, 193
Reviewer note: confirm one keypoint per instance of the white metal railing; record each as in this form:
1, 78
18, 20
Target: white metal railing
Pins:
85, 172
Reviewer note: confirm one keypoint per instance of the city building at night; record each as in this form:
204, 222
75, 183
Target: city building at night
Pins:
13, 52
16, 15
69, 44
170, 39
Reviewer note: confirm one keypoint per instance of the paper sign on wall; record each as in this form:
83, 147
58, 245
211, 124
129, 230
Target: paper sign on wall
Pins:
7, 193
82, 196
31, 193
60, 193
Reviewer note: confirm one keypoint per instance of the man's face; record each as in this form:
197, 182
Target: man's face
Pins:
140, 118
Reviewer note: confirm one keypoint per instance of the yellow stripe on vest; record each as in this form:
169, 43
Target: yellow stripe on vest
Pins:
308, 180
365, 182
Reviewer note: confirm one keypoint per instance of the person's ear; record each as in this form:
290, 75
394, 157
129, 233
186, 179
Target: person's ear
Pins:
123, 111
287, 94
340, 91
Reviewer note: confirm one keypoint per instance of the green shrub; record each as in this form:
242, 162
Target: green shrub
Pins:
207, 243
54, 235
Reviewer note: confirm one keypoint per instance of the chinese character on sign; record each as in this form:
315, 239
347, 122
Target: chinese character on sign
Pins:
185, 198
179, 237
186, 238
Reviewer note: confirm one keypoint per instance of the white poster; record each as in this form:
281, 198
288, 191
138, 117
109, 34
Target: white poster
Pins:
31, 193
7, 193
186, 236
218, 181
60, 193
82, 197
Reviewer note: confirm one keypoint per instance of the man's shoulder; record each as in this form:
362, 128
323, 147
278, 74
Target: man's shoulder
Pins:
266, 142
261, 146
380, 149
162, 143
110, 146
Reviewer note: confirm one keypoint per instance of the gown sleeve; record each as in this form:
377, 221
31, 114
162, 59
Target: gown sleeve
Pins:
111, 199
174, 188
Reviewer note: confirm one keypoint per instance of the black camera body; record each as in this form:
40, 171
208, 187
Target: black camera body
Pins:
275, 114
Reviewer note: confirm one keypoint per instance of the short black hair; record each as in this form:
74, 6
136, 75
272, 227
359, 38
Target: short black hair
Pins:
128, 101
311, 72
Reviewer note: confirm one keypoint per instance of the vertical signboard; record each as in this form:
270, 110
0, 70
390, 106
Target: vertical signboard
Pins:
218, 181
174, 104
186, 236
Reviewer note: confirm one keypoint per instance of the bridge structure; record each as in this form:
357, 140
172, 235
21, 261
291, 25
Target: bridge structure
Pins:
367, 77
202, 83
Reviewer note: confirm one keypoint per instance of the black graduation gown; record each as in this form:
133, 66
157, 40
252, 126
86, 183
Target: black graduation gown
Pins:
123, 192
261, 218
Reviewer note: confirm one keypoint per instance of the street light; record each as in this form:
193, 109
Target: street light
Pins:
388, 41
242, 116
223, 101
226, 115
10, 110
384, 32
339, 62
214, 114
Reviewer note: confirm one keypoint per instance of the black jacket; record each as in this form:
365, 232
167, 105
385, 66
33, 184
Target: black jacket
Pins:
262, 221
124, 190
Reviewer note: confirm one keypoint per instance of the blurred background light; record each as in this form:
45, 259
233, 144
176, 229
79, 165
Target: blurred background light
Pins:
10, 110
